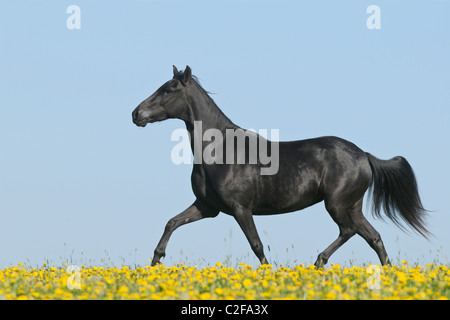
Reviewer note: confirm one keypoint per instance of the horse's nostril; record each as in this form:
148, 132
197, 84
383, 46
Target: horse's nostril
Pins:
135, 115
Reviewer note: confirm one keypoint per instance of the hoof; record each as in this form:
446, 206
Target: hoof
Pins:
320, 262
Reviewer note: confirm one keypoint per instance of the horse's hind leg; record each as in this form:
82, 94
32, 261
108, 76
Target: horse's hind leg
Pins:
372, 237
346, 230
350, 222
323, 257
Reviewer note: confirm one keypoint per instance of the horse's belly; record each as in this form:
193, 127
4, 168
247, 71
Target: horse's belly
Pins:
292, 195
277, 207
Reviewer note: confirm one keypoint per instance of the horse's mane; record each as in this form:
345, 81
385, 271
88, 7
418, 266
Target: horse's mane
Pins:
196, 81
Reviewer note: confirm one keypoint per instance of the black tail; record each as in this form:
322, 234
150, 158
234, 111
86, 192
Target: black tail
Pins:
395, 191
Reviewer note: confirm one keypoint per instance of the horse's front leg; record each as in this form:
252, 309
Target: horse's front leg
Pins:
195, 212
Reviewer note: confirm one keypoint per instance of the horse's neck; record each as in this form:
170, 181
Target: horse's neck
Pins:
203, 111
203, 114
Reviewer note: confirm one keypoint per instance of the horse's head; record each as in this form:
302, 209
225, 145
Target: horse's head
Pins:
169, 101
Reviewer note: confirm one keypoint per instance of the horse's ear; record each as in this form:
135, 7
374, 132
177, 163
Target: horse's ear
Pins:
187, 74
175, 71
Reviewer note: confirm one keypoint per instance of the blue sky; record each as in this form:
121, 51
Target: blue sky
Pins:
78, 180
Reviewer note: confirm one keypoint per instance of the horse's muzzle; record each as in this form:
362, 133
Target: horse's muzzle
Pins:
137, 120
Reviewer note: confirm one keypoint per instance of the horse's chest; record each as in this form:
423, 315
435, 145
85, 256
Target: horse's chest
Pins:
198, 181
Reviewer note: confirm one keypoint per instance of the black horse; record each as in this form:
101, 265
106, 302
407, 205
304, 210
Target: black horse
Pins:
326, 168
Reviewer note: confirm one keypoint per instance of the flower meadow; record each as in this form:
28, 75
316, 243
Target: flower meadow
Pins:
243, 282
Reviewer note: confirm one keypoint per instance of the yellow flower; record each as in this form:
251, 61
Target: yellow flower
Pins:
122, 290
219, 291
330, 295
59, 291
218, 282
337, 288
155, 296
311, 293
205, 296
246, 283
